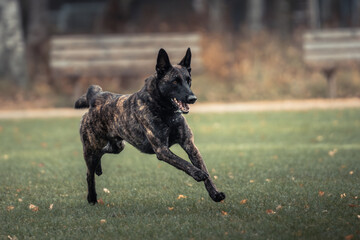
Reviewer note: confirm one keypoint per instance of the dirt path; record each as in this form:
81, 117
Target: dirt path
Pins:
291, 105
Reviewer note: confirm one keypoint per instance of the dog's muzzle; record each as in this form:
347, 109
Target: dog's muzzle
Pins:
183, 107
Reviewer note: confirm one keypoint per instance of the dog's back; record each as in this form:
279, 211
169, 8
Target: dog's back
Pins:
94, 97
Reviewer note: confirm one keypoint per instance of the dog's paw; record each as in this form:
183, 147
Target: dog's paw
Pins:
200, 175
92, 199
98, 171
218, 197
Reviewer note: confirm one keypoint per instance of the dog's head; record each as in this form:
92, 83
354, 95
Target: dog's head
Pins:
174, 81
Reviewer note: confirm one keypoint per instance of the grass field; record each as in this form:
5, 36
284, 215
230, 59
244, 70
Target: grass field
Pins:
286, 175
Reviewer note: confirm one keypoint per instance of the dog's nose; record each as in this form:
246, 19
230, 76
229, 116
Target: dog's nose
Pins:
191, 99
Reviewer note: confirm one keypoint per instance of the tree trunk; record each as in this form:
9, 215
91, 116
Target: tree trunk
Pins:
38, 47
12, 46
282, 17
314, 14
254, 15
216, 16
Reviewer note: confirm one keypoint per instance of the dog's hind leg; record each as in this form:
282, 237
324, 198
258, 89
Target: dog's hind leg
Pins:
92, 162
113, 146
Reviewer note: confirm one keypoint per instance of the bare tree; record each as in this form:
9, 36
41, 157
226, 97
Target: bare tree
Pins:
254, 16
38, 42
216, 15
12, 46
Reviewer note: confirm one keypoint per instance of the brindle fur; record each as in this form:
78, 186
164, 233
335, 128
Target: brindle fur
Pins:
147, 120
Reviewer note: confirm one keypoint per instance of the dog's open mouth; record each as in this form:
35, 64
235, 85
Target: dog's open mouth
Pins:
181, 106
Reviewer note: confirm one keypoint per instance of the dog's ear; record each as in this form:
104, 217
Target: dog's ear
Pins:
185, 62
163, 62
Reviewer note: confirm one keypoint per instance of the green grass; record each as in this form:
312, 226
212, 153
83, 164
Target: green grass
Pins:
272, 159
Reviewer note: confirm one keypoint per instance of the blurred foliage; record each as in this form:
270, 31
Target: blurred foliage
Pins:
257, 67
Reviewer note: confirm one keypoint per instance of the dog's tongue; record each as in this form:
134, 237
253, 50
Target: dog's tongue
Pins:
184, 107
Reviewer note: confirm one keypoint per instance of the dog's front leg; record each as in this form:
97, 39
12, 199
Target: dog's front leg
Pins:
195, 157
159, 142
164, 154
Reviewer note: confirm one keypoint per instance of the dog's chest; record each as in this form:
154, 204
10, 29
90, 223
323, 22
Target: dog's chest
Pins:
174, 120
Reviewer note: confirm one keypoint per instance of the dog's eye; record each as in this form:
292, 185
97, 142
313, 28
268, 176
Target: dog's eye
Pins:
176, 81
188, 80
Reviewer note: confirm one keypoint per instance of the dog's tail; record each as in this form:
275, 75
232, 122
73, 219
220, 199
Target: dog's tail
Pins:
87, 99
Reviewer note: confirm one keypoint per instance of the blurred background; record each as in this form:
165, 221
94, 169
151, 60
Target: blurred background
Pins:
243, 50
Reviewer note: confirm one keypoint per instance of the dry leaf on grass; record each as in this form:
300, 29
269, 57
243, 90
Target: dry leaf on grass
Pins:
170, 208
349, 237
103, 221
244, 201
270, 211
181, 197
332, 152
106, 190
33, 208
321, 193
51, 206
224, 213
343, 195
9, 208
100, 201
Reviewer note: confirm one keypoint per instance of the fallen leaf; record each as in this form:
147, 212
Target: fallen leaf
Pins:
6, 157
44, 144
278, 207
215, 177
100, 201
171, 208
10, 208
41, 165
106, 190
252, 181
270, 211
181, 197
244, 201
103, 221
224, 213
33, 208
358, 216
351, 172
332, 152
321, 193
12, 238
343, 195
51, 206
20, 200
349, 237
267, 180
319, 138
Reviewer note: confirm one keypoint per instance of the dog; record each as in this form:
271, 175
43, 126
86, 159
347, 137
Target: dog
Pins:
151, 120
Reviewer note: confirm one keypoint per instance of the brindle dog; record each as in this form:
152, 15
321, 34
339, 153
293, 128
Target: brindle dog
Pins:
151, 120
